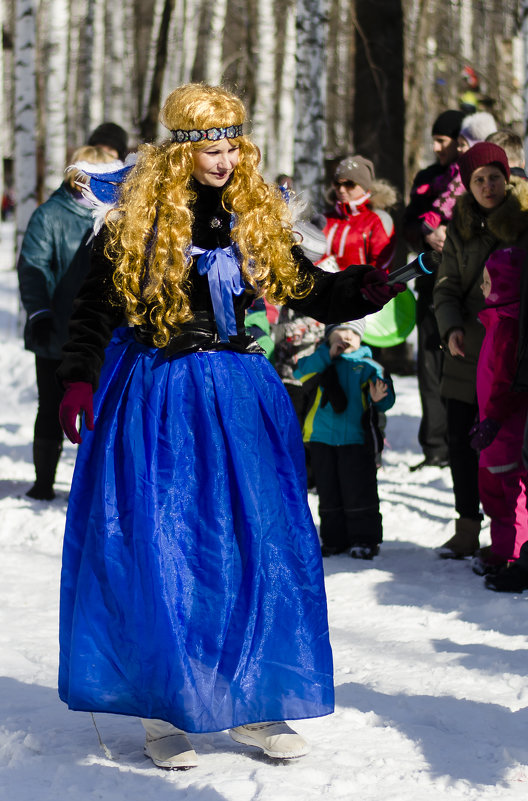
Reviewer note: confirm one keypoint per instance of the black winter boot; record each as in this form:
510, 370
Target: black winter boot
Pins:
46, 453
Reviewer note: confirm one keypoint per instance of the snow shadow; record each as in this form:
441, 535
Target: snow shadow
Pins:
49, 753
431, 500
9, 322
14, 488
417, 577
461, 739
485, 658
21, 452
414, 576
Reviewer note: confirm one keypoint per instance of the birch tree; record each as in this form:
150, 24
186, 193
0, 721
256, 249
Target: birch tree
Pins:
264, 79
213, 58
74, 99
310, 97
99, 51
118, 72
149, 123
183, 39
56, 48
25, 115
281, 149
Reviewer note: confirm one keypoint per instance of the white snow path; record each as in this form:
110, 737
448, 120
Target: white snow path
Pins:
430, 666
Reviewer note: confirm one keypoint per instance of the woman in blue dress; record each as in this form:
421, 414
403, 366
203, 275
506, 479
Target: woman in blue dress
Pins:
192, 589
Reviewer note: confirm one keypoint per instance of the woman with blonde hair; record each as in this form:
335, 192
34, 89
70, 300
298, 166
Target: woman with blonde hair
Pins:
192, 587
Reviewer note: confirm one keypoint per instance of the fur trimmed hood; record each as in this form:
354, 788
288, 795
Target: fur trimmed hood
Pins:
507, 222
383, 196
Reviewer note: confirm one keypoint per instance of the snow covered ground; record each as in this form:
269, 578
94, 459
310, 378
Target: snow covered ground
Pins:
430, 667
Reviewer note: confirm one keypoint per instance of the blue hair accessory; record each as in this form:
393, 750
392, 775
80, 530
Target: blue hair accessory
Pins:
100, 184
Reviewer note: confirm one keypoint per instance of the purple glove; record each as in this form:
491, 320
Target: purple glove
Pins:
77, 399
376, 289
482, 434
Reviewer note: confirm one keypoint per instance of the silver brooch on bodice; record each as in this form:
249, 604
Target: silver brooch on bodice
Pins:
215, 222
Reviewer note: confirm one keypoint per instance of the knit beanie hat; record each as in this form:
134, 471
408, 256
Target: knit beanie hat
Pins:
505, 269
477, 127
357, 169
481, 155
448, 123
111, 135
353, 325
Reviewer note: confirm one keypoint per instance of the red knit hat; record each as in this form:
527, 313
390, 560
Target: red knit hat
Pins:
481, 155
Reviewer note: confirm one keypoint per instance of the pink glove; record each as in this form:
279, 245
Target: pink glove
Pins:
376, 289
77, 399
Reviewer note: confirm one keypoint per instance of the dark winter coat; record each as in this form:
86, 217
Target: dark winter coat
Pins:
471, 237
334, 297
53, 263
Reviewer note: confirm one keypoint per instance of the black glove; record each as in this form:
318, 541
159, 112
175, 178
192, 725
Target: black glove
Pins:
376, 289
482, 434
41, 330
333, 392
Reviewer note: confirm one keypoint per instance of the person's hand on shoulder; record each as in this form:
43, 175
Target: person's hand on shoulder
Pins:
436, 238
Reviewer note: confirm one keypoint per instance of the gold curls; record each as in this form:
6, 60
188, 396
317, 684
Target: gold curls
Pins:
196, 106
151, 236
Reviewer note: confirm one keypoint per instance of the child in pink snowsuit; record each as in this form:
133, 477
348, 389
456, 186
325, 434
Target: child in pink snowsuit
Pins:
502, 414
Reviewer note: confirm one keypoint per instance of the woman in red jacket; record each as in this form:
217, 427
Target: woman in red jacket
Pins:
359, 229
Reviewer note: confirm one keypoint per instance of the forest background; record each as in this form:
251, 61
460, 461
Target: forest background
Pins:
321, 78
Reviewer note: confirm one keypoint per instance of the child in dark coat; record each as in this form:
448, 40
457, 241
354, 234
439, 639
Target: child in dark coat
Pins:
340, 428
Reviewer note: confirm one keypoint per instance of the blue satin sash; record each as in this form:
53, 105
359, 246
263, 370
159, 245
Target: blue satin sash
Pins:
225, 280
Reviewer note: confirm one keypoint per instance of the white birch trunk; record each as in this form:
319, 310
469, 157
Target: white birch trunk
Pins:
263, 111
74, 103
147, 85
519, 77
25, 116
283, 142
183, 41
342, 75
191, 24
310, 100
56, 47
116, 72
99, 49
213, 57
466, 29
130, 86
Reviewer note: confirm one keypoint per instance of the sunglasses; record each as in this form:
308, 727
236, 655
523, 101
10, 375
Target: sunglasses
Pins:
346, 184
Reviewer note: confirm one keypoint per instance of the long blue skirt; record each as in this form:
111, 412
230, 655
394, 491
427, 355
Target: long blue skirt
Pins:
192, 585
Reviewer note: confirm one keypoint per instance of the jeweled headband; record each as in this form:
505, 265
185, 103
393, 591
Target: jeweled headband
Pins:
212, 134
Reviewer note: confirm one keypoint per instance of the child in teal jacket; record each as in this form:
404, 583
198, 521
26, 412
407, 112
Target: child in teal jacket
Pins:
342, 436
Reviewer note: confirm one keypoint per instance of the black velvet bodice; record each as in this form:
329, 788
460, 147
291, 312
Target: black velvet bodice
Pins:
334, 297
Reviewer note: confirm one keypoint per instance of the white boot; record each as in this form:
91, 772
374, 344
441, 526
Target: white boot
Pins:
167, 746
277, 740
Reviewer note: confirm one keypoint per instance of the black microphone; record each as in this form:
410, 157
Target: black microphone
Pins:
424, 264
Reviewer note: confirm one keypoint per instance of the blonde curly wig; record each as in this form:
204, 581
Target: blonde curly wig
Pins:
150, 237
